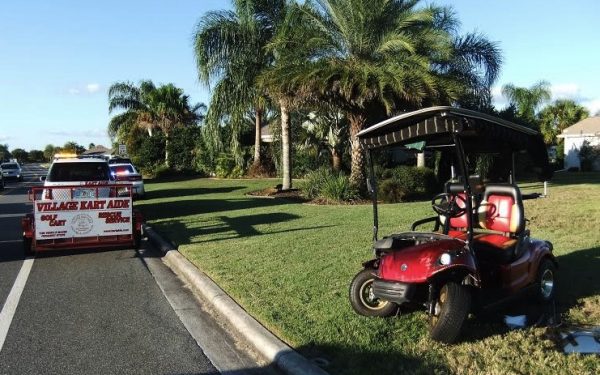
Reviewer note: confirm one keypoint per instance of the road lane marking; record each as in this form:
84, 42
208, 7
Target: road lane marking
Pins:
10, 306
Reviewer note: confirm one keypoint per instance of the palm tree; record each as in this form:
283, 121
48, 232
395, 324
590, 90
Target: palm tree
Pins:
230, 50
366, 56
527, 100
149, 107
558, 116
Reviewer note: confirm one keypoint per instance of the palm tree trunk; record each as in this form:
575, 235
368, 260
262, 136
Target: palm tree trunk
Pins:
257, 137
357, 174
286, 159
167, 149
336, 160
421, 159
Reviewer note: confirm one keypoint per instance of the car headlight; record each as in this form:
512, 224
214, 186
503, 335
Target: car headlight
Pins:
445, 259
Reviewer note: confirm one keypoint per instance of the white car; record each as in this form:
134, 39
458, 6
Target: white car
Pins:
126, 172
90, 174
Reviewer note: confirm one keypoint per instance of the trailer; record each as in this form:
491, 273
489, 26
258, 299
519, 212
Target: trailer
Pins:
81, 216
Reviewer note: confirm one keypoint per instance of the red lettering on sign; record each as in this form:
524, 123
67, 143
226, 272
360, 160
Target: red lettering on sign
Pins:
118, 204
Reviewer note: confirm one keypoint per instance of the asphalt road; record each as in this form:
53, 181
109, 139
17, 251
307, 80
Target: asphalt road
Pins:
100, 312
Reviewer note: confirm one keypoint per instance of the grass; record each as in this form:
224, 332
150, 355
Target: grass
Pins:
290, 264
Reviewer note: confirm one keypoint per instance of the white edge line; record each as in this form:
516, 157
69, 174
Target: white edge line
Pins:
10, 306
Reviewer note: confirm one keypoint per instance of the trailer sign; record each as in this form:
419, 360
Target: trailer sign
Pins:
55, 219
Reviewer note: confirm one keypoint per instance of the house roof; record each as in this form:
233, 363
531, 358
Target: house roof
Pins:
98, 150
588, 126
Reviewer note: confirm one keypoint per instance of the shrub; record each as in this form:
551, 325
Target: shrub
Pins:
332, 186
226, 167
588, 156
415, 181
337, 187
391, 191
182, 148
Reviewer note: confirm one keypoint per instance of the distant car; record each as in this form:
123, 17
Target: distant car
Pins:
127, 172
1, 181
11, 170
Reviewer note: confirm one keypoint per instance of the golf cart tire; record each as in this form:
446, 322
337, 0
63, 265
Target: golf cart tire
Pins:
359, 297
28, 247
447, 325
546, 268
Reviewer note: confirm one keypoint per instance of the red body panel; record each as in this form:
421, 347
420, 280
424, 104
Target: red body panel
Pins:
523, 271
419, 263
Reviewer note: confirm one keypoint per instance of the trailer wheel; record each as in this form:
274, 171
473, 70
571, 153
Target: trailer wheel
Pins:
28, 247
450, 311
137, 240
362, 299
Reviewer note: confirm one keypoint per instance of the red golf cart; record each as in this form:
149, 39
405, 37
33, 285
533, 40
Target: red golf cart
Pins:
479, 253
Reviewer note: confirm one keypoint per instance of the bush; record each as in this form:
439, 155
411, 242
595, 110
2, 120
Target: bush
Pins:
415, 181
226, 167
588, 156
182, 148
391, 191
329, 185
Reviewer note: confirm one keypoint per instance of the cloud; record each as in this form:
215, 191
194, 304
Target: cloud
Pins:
4, 138
95, 133
592, 105
92, 87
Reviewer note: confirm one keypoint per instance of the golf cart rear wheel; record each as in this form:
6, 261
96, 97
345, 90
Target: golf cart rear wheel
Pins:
362, 299
546, 281
449, 313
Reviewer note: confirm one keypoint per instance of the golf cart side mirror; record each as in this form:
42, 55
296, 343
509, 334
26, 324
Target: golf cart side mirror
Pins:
42, 178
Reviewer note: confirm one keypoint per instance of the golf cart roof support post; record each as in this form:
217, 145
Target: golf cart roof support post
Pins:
372, 185
512, 178
462, 164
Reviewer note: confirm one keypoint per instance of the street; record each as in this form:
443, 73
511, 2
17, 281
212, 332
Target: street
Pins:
97, 311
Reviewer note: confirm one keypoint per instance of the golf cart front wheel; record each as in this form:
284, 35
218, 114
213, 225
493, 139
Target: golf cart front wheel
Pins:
450, 311
362, 299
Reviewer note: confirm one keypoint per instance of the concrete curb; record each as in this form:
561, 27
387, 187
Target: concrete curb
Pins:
264, 342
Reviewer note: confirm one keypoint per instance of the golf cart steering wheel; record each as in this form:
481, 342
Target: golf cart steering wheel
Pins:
446, 204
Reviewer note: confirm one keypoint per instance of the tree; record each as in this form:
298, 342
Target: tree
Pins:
370, 58
36, 156
49, 152
229, 47
559, 115
527, 100
165, 108
73, 147
21, 155
4, 153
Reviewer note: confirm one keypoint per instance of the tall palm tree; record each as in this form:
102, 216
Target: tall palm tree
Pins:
527, 100
559, 115
366, 56
229, 47
165, 107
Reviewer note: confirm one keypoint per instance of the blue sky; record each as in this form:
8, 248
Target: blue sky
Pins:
57, 58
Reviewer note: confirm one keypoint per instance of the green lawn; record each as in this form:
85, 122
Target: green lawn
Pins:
290, 264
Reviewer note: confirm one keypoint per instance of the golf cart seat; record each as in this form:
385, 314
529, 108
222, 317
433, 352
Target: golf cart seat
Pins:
501, 210
458, 225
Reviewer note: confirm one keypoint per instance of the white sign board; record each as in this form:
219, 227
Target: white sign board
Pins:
122, 149
56, 219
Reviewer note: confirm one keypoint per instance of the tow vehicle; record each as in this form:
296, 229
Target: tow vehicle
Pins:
80, 206
479, 253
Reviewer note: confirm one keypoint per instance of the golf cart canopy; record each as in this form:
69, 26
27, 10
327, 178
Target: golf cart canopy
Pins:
479, 133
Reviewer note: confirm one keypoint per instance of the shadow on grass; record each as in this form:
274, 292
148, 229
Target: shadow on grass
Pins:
573, 178
187, 207
578, 276
358, 360
171, 193
228, 228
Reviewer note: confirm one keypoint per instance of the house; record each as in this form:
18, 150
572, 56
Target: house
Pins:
575, 135
98, 151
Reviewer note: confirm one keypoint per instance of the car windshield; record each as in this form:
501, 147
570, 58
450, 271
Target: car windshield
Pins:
122, 169
84, 171
10, 166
